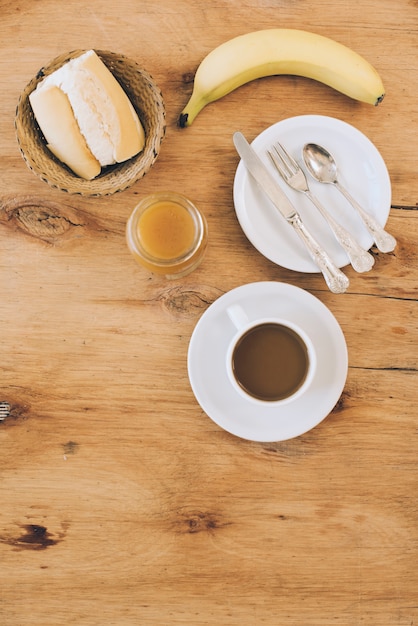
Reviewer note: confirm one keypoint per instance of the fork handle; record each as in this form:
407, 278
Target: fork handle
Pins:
337, 281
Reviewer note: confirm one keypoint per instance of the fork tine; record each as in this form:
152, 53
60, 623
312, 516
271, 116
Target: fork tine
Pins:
280, 163
288, 156
283, 158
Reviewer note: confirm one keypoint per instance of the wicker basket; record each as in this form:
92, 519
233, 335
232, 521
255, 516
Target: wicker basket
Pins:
148, 103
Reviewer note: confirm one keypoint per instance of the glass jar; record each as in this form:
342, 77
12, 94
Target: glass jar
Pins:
167, 234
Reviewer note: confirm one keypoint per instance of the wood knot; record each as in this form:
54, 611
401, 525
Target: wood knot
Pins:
341, 402
37, 537
186, 300
40, 219
188, 77
193, 522
11, 412
70, 447
34, 537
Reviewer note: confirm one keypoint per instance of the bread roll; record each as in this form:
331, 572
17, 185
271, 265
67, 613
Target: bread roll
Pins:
107, 129
56, 119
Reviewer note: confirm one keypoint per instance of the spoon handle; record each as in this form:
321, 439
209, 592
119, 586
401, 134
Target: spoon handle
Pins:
335, 279
383, 240
360, 259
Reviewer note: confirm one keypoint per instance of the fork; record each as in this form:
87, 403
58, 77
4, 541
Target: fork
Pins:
294, 176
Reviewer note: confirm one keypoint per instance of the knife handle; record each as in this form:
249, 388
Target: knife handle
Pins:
335, 279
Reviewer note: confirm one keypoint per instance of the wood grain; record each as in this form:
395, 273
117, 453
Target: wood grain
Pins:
121, 501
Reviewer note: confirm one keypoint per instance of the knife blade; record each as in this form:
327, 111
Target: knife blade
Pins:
334, 277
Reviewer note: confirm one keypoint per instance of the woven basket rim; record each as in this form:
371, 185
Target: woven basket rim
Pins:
147, 100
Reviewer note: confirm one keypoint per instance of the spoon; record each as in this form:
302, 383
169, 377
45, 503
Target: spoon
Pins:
323, 168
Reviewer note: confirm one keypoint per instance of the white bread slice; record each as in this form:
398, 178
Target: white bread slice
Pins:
55, 117
103, 111
125, 130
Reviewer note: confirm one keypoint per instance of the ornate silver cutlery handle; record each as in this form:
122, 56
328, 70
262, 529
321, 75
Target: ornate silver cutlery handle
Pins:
335, 279
360, 259
384, 240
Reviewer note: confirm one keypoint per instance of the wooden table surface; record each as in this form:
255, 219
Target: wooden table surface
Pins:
121, 501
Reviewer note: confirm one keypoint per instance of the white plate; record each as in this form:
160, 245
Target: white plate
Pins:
207, 362
361, 169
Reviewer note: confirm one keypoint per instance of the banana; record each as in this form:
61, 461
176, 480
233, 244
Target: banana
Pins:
281, 51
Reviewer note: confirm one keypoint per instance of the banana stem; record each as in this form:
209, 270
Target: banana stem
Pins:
192, 109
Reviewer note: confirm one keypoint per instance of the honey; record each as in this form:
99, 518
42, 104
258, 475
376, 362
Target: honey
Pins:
167, 234
167, 230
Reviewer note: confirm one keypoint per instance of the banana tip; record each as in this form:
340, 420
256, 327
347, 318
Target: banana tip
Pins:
379, 99
183, 120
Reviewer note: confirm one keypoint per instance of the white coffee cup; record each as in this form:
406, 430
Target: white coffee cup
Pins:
270, 361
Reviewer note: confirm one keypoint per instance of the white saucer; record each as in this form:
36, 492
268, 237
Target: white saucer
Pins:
361, 170
207, 362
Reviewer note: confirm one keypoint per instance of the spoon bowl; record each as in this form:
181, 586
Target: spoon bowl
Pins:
320, 163
322, 166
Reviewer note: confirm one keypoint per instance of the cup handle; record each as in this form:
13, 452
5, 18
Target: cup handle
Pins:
237, 315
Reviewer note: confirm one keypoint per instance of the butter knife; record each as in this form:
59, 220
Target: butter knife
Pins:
334, 277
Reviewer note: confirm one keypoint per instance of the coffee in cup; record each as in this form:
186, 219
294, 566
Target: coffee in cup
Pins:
270, 360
